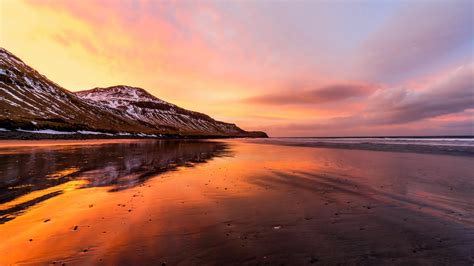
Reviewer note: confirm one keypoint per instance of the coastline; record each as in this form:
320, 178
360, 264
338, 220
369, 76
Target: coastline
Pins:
20, 135
405, 148
256, 137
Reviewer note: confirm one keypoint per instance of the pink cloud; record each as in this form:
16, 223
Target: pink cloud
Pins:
418, 37
301, 94
442, 107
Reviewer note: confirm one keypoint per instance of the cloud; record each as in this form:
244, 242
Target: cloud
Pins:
465, 126
320, 95
441, 107
296, 59
451, 94
356, 128
418, 37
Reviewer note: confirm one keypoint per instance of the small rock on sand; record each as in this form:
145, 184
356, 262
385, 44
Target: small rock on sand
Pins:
313, 260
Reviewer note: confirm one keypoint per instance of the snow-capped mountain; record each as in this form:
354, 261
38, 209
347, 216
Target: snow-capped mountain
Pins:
138, 104
30, 101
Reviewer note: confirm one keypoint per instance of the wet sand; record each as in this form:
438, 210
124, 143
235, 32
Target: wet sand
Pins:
232, 202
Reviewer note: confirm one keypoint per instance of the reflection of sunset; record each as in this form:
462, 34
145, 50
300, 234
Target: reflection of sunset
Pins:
47, 173
69, 186
212, 203
62, 173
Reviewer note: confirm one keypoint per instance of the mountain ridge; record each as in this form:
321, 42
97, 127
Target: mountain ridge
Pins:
137, 103
30, 101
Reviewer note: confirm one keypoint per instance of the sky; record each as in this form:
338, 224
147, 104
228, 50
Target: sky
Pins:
290, 68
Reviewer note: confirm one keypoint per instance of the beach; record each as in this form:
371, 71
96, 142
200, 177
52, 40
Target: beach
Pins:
232, 202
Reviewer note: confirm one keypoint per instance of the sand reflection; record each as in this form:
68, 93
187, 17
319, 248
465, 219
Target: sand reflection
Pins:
31, 174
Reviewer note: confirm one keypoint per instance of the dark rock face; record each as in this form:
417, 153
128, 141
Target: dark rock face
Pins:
256, 134
30, 101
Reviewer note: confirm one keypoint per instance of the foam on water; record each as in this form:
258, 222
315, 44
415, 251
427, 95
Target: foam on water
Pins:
436, 141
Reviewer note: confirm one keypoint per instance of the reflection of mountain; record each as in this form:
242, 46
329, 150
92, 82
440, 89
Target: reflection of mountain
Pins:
45, 170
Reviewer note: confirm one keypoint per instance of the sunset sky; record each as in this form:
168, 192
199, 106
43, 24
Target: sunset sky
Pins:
290, 68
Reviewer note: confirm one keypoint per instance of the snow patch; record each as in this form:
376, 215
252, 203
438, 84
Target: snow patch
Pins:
146, 135
82, 132
47, 131
86, 132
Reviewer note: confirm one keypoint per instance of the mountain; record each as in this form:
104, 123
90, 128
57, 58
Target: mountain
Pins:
138, 104
30, 101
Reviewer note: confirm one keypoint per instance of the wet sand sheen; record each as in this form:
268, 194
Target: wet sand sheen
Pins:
231, 202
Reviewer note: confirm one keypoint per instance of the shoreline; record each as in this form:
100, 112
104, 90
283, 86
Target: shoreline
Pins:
454, 150
406, 148
20, 135
385, 137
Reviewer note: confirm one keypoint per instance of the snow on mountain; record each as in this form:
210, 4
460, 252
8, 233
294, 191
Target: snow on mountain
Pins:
29, 100
119, 93
136, 103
